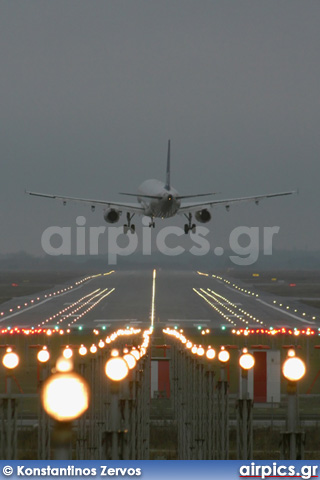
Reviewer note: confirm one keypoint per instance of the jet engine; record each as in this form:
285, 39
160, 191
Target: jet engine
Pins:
203, 216
111, 216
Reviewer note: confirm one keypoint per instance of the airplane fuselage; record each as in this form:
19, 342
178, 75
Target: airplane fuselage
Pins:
166, 204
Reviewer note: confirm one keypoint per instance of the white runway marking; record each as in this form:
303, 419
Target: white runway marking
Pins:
240, 293
41, 303
226, 303
285, 312
80, 303
272, 306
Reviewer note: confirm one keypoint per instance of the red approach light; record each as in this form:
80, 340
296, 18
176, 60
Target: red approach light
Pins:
292, 285
14, 285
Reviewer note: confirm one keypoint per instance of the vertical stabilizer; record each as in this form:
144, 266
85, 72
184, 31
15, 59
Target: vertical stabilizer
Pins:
167, 186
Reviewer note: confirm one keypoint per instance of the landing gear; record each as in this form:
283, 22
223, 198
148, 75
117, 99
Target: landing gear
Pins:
192, 227
127, 227
189, 226
152, 223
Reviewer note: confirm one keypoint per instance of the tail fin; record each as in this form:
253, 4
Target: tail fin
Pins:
167, 185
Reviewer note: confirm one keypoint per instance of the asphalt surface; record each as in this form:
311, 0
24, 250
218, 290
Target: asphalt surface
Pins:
181, 298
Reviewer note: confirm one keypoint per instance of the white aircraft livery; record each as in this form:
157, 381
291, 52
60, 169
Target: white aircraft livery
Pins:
157, 199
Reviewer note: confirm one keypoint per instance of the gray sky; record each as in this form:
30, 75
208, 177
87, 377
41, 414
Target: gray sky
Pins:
91, 92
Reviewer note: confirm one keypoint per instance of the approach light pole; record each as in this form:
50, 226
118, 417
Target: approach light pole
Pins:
10, 361
222, 430
43, 357
116, 369
293, 370
244, 410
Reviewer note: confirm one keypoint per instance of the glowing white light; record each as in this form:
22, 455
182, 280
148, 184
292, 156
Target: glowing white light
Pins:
65, 396
64, 364
223, 356
246, 361
131, 361
43, 355
293, 369
210, 354
67, 353
82, 350
200, 351
116, 368
135, 353
10, 360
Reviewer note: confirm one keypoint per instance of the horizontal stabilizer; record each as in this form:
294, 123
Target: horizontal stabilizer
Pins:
180, 197
177, 197
140, 195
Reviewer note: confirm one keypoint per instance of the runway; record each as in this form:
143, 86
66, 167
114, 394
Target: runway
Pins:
182, 298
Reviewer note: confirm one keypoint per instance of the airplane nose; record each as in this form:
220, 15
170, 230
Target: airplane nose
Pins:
169, 198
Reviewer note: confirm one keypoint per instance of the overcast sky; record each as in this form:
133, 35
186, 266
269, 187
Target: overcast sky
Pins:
92, 90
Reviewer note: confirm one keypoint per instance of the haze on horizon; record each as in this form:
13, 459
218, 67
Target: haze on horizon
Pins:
92, 91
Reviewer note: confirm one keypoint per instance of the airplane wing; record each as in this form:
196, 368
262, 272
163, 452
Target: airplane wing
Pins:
132, 207
195, 206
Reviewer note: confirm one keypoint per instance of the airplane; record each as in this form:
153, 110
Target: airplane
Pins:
157, 199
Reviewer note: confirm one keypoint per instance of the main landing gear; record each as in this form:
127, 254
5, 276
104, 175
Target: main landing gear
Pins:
189, 226
127, 227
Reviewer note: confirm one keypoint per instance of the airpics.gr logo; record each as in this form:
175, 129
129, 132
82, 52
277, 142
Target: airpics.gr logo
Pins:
82, 240
271, 471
